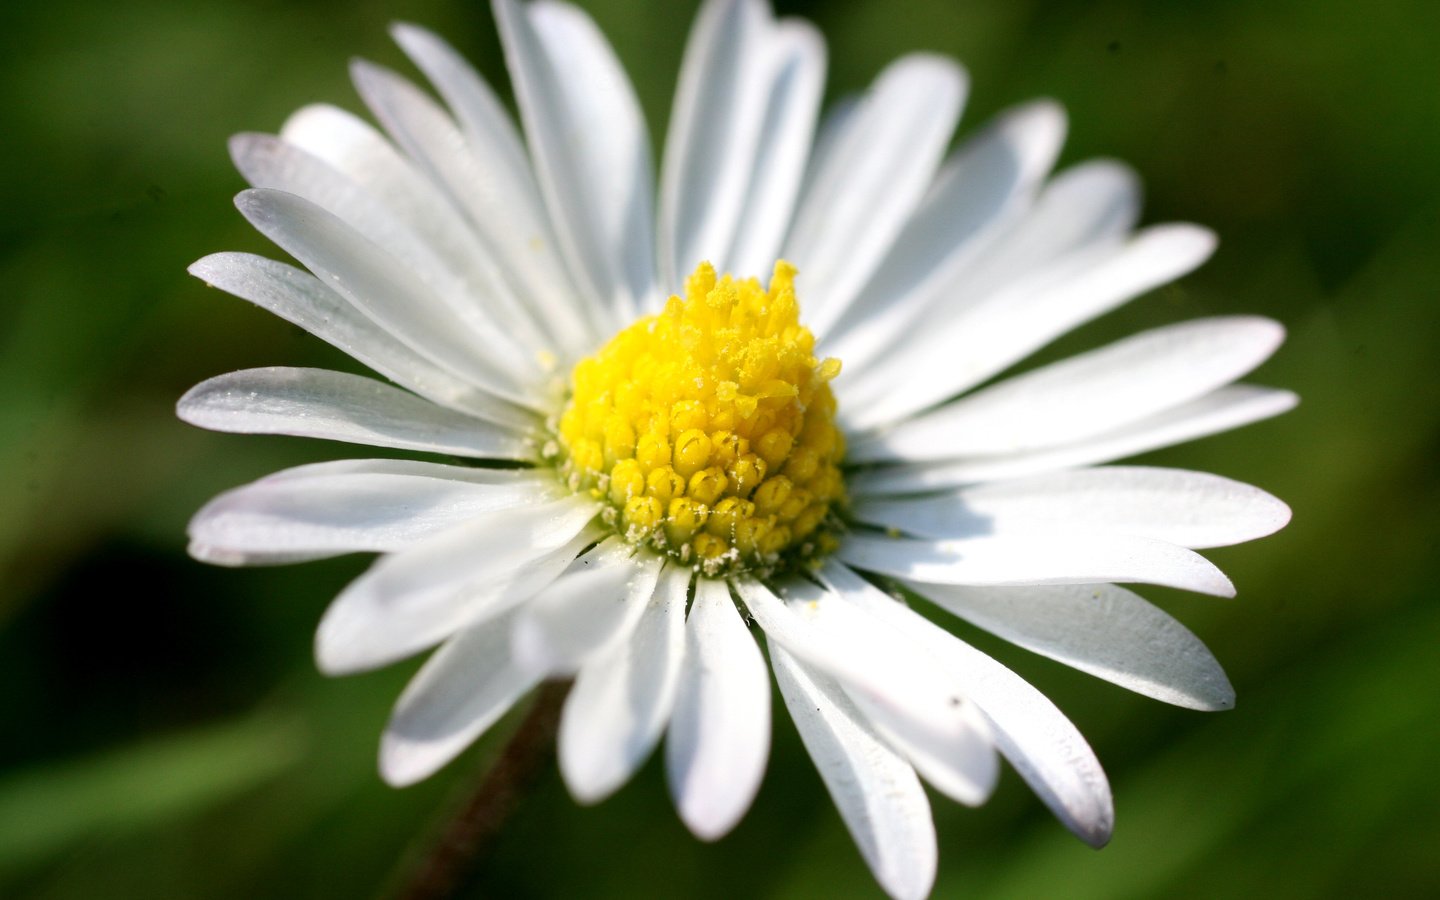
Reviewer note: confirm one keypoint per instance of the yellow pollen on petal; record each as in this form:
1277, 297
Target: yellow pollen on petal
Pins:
709, 429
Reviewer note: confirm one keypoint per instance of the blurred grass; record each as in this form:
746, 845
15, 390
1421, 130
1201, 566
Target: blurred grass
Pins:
167, 735
45, 812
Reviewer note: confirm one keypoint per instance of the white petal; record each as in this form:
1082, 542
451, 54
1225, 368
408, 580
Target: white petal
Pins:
413, 468
317, 511
585, 610
1087, 206
460, 692
411, 600
456, 269
1230, 407
865, 186
1101, 629
1045, 748
1030, 244
301, 298
797, 82
724, 78
622, 698
1086, 395
987, 337
355, 148
920, 711
340, 407
828, 137
486, 122
1190, 509
522, 234
874, 788
989, 181
376, 284
589, 145
1037, 558
719, 735
510, 227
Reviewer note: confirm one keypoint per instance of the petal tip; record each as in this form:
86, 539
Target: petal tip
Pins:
408, 33
398, 768
215, 556
1097, 839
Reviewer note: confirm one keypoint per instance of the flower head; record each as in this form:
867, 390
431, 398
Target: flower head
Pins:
681, 439
709, 430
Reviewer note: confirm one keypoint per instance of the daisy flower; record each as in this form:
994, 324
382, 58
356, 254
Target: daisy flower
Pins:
762, 394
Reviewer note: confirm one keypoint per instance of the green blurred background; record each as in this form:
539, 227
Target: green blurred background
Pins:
166, 734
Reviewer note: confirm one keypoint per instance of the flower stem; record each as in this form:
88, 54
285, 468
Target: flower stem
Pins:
467, 837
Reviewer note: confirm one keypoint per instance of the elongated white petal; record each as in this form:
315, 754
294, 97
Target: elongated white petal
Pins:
874, 788
268, 161
622, 698
460, 692
413, 468
477, 177
1031, 244
724, 78
1087, 395
337, 406
585, 611
834, 125
1229, 407
1098, 628
376, 284
301, 298
502, 195
919, 710
1037, 558
1045, 748
588, 142
318, 513
865, 186
487, 123
719, 734
411, 600
353, 147
797, 81
1088, 206
456, 269
989, 181
1010, 324
350, 506
1190, 509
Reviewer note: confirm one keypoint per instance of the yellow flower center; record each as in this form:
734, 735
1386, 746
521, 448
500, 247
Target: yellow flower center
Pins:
708, 430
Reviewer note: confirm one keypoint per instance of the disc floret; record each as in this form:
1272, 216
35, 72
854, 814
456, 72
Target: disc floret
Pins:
708, 431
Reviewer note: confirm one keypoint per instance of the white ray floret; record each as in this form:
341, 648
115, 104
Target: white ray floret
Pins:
1045, 748
1042, 557
579, 615
622, 697
1229, 407
989, 181
1188, 509
857, 198
318, 511
720, 732
1086, 395
411, 600
460, 692
1101, 629
873, 787
337, 406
